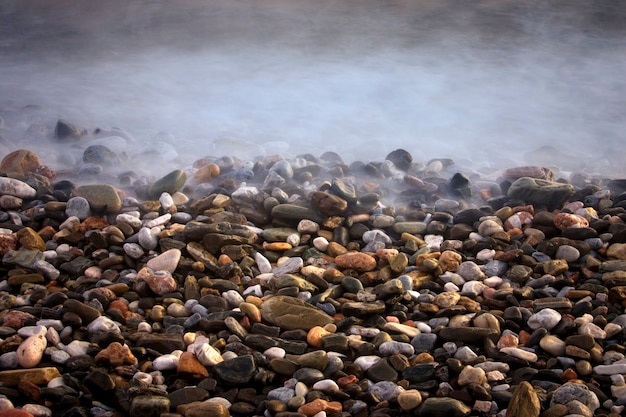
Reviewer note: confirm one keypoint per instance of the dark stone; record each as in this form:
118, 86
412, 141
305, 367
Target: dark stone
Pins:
401, 159
187, 395
236, 371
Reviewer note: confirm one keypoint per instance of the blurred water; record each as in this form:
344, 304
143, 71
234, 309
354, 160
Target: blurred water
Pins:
482, 82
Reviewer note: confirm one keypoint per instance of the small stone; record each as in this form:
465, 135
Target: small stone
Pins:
443, 407
546, 318
160, 282
170, 183
571, 391
520, 353
16, 188
203, 409
524, 402
166, 261
236, 371
409, 399
149, 406
290, 314
101, 197
356, 260
37, 376
79, 207
553, 345
471, 375
30, 351
116, 355
189, 366
540, 192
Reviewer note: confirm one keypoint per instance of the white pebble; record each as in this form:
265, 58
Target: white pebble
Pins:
493, 282
56, 382
144, 327
207, 354
133, 250
326, 385
450, 287
165, 362
262, 263
53, 336
366, 362
59, 356
320, 243
274, 352
28, 331
77, 347
5, 403
233, 297
159, 221
520, 353
167, 201
103, 324
129, 219
486, 255
37, 410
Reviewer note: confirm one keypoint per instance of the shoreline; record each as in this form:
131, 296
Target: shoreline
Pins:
308, 287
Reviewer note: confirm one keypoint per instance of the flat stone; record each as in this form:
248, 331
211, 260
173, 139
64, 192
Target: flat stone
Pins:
169, 183
17, 188
236, 371
187, 395
443, 407
101, 197
289, 313
37, 376
540, 192
149, 406
203, 409
470, 335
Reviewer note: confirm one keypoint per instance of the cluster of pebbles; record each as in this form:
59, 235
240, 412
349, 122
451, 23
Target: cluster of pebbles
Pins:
306, 287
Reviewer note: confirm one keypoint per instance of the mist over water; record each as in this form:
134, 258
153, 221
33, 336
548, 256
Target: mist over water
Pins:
482, 82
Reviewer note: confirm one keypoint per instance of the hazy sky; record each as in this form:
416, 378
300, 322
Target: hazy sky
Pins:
475, 80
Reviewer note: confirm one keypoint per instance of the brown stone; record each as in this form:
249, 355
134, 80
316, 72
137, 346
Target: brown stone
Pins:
189, 365
29, 239
38, 376
116, 355
20, 161
318, 405
524, 402
206, 173
329, 204
203, 409
450, 261
564, 220
358, 261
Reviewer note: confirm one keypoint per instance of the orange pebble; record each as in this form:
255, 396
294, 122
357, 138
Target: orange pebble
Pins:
277, 246
315, 335
344, 381
523, 337
224, 260
569, 374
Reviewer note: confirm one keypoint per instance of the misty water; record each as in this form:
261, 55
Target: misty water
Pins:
487, 83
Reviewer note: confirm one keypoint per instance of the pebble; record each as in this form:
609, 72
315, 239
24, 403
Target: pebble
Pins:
318, 297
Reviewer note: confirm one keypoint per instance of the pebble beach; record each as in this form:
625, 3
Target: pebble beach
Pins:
305, 286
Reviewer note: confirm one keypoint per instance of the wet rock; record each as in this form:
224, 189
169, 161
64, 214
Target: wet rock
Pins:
289, 314
540, 192
102, 198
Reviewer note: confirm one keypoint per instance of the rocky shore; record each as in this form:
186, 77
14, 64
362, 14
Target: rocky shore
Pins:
307, 287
